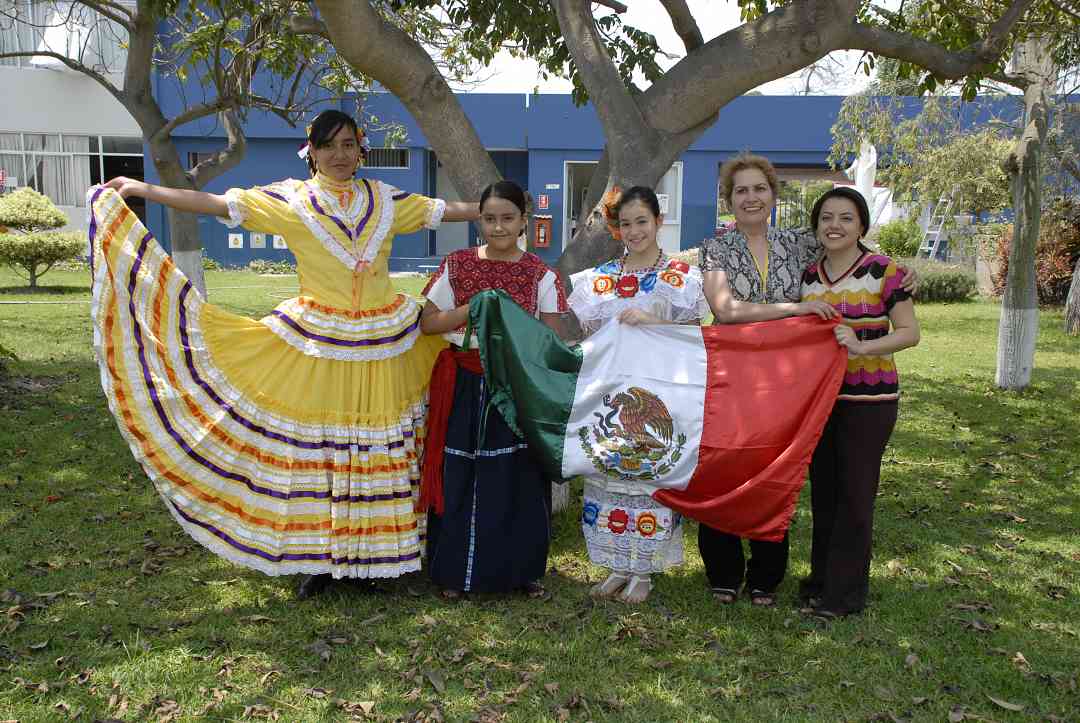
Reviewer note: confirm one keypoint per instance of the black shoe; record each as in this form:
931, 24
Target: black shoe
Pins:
312, 585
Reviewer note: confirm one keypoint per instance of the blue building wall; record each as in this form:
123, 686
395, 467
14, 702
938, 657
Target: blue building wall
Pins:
532, 138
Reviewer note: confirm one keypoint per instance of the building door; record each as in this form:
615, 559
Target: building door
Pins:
577, 175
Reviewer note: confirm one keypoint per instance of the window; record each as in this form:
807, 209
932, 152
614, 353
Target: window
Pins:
63, 166
387, 158
69, 28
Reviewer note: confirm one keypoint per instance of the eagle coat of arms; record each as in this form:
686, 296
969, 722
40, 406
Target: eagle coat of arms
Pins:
634, 437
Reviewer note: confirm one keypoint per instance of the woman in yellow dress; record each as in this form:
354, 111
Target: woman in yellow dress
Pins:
289, 444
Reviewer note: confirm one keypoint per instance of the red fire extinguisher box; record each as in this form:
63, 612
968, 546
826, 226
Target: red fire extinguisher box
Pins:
542, 231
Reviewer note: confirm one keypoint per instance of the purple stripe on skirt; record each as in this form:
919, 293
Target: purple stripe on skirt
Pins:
345, 342
292, 557
182, 443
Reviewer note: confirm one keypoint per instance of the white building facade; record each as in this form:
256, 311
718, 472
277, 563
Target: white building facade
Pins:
60, 130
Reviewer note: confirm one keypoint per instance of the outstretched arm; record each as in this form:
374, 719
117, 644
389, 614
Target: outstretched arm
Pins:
729, 310
461, 211
176, 198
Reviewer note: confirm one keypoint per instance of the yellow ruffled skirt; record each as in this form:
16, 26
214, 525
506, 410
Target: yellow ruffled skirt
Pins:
270, 453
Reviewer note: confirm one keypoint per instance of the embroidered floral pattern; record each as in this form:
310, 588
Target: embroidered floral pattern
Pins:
618, 520
603, 284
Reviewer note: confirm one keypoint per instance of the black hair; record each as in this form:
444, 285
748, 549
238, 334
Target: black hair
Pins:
507, 190
639, 193
842, 192
323, 129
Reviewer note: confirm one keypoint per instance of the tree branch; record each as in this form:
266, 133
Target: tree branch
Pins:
613, 4
197, 111
619, 113
225, 159
938, 60
111, 10
683, 22
308, 25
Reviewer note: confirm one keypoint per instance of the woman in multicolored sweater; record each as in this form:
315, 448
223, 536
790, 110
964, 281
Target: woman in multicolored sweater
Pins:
864, 287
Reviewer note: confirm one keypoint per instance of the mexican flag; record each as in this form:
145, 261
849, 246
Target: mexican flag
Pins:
720, 421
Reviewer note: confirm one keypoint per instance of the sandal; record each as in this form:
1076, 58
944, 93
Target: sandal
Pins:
632, 594
534, 590
762, 599
610, 586
449, 594
725, 595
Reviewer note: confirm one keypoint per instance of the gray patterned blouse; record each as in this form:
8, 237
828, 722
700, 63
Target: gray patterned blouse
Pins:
790, 252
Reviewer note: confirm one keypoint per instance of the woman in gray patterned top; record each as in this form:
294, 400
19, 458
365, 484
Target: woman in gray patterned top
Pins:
753, 273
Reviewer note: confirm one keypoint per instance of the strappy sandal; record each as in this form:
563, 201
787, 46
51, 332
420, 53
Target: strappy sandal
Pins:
610, 586
632, 594
449, 594
534, 590
762, 599
725, 595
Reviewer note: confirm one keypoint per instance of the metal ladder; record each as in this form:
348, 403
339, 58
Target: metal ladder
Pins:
939, 216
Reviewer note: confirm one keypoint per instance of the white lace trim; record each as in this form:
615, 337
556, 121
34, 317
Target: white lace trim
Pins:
347, 327
685, 304
301, 205
386, 220
236, 209
437, 213
313, 347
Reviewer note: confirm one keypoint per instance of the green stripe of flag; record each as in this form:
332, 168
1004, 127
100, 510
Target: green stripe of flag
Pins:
531, 374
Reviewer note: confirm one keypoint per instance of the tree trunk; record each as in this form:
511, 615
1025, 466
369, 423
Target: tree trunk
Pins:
183, 227
1019, 324
33, 277
187, 247
1072, 304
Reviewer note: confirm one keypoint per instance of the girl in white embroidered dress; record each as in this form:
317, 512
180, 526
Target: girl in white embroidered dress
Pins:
642, 287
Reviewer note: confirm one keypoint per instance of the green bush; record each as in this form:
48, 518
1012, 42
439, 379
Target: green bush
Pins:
900, 239
1056, 253
210, 264
263, 266
940, 282
28, 242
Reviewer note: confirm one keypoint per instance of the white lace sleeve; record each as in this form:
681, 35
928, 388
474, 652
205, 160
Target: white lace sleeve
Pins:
236, 212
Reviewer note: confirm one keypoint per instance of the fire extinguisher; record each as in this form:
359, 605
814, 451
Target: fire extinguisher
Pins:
542, 234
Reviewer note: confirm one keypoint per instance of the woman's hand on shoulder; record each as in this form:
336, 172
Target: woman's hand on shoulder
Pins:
820, 308
636, 317
910, 280
127, 187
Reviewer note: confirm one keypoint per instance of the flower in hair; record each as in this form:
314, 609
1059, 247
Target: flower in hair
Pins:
610, 202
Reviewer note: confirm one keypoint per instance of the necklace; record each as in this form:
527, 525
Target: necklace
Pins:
654, 267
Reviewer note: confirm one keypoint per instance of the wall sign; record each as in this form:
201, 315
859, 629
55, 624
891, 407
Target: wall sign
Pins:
258, 240
543, 201
236, 240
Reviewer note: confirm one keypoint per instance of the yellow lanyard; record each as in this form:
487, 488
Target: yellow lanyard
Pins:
763, 272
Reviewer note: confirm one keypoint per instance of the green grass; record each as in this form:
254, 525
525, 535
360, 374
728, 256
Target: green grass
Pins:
111, 612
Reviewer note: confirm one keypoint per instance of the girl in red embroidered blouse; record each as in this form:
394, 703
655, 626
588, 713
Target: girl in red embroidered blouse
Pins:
487, 500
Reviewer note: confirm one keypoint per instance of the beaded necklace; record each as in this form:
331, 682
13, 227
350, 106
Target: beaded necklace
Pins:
655, 265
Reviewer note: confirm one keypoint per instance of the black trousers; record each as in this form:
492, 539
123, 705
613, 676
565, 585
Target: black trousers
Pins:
725, 565
844, 476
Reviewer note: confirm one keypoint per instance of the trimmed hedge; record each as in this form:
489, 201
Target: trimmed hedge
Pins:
940, 282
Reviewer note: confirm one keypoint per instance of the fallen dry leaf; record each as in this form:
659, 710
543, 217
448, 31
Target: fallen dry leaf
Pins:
1015, 707
911, 660
437, 679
